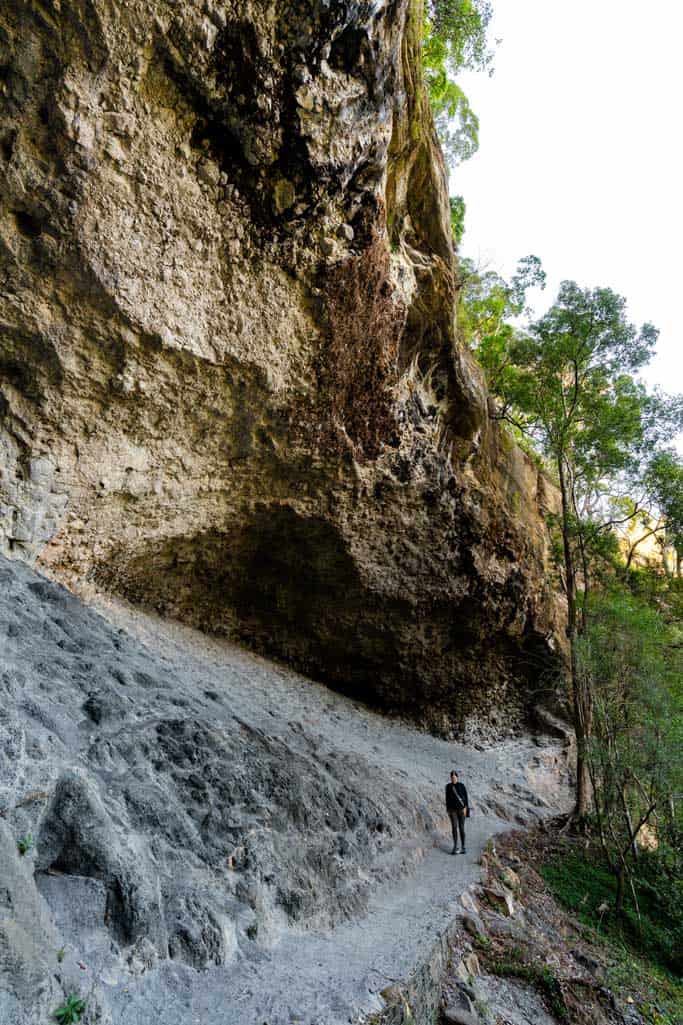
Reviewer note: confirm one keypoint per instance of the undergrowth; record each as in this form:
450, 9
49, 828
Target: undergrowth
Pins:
646, 952
588, 888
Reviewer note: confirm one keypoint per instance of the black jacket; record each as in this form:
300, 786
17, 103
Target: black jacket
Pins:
452, 802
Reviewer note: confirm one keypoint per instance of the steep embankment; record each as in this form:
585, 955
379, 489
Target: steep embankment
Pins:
230, 382
215, 838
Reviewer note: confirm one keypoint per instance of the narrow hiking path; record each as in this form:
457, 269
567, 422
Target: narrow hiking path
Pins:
219, 840
336, 976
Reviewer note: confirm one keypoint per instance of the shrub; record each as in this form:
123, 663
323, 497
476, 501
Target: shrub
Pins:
25, 844
71, 1010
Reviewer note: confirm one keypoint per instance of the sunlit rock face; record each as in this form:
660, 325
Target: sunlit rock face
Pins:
230, 379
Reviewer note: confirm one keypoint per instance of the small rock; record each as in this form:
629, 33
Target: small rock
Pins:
469, 902
472, 964
209, 172
511, 879
467, 990
473, 925
347, 232
305, 98
457, 1016
500, 899
461, 973
114, 150
327, 246
284, 195
391, 994
587, 962
463, 1001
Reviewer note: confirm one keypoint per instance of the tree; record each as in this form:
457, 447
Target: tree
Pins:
568, 383
664, 481
457, 205
488, 304
455, 39
627, 661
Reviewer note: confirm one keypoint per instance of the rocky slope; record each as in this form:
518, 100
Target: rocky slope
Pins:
230, 382
210, 838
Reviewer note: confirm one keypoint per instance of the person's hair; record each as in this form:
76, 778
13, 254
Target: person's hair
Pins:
454, 772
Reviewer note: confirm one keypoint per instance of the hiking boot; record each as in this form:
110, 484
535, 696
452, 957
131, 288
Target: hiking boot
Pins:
454, 851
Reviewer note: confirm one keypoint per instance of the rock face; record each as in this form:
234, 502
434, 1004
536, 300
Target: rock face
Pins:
164, 826
200, 819
230, 380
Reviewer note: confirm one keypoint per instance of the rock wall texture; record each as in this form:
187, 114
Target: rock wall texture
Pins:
189, 833
230, 381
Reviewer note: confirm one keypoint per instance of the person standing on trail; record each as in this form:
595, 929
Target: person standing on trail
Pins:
457, 806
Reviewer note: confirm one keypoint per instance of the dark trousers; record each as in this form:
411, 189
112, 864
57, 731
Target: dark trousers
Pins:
457, 818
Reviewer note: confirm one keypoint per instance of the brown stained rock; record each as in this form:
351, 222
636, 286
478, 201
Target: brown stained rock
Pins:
472, 964
169, 427
500, 899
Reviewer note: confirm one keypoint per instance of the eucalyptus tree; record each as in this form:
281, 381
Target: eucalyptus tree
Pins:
568, 383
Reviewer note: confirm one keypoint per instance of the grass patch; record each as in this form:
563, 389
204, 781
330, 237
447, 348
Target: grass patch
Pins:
585, 886
646, 954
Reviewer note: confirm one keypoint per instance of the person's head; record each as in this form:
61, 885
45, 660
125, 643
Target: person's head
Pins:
454, 776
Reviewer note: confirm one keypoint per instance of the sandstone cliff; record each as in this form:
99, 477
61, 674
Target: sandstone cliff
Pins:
230, 380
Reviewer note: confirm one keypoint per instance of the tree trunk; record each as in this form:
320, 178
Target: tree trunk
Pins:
621, 889
580, 702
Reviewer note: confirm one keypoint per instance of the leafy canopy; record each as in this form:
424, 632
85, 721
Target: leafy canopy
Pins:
455, 39
488, 305
664, 480
569, 383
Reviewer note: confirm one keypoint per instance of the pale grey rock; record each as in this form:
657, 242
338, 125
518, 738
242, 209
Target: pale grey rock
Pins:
211, 831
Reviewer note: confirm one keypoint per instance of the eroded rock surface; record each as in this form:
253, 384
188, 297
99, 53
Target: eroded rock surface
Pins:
230, 382
215, 838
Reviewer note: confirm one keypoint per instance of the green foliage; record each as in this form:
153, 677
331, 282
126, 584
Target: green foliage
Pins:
488, 307
571, 378
71, 1010
463, 25
586, 886
25, 844
580, 880
457, 204
631, 658
568, 382
482, 942
664, 478
455, 38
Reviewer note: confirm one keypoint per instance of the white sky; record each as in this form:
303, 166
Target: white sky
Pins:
581, 155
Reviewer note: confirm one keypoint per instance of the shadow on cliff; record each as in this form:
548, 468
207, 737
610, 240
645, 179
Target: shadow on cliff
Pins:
288, 585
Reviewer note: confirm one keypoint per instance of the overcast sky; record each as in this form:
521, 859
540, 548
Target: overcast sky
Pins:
581, 155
